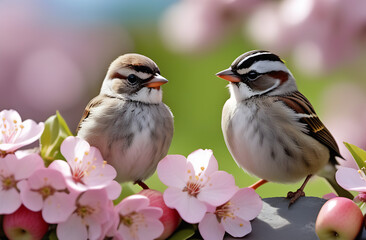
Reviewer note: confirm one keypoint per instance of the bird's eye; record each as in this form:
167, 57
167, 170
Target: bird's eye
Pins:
132, 78
252, 75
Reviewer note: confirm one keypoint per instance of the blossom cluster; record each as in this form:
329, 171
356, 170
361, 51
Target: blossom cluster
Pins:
66, 187
75, 194
203, 194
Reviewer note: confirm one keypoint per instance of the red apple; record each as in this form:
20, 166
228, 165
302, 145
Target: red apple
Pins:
170, 218
25, 225
339, 218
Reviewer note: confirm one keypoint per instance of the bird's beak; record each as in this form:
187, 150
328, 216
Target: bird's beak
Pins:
228, 75
156, 82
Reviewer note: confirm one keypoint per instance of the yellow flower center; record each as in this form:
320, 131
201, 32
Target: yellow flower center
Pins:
8, 182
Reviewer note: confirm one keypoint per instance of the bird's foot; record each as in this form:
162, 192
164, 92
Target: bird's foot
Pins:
142, 184
293, 196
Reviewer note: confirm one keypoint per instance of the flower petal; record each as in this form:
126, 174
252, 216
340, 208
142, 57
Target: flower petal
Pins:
132, 203
210, 228
74, 147
150, 229
100, 177
47, 177
24, 167
31, 199
350, 179
172, 171
98, 200
203, 161
61, 166
123, 232
72, 229
113, 190
17, 133
58, 207
30, 133
247, 203
94, 230
9, 201
236, 226
219, 188
189, 208
152, 212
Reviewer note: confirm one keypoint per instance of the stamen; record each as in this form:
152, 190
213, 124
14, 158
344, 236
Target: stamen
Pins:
225, 211
8, 182
362, 173
84, 211
46, 191
193, 188
133, 221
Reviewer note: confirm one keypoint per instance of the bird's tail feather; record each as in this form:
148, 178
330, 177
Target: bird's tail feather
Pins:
328, 173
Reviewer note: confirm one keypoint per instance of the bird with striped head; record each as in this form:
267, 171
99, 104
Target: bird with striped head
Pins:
271, 129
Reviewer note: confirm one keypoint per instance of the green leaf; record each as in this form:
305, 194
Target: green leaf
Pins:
358, 154
184, 231
55, 131
53, 235
362, 206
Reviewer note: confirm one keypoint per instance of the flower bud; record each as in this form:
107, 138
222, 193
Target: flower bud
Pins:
170, 218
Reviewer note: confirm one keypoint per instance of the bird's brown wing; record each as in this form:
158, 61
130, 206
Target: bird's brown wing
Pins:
93, 103
300, 104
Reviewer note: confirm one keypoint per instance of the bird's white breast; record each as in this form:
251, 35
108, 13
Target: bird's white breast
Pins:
266, 139
133, 137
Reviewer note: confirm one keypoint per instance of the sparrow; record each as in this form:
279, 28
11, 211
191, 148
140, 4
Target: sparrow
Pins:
271, 129
127, 121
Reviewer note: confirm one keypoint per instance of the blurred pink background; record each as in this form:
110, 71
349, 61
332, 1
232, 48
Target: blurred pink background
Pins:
53, 55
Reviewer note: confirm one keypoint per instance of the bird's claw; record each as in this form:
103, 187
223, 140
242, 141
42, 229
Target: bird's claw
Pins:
293, 196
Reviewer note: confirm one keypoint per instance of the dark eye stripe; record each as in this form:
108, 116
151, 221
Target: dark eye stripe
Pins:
261, 57
144, 69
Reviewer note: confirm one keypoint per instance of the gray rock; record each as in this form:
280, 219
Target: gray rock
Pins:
279, 221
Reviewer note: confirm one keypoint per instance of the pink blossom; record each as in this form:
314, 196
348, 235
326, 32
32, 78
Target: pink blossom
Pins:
193, 183
321, 34
137, 220
197, 25
37, 34
13, 170
170, 218
232, 217
351, 179
85, 168
114, 190
87, 220
46, 190
109, 227
14, 133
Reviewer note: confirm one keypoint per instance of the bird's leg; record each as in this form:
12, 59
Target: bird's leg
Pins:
258, 184
293, 196
142, 184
